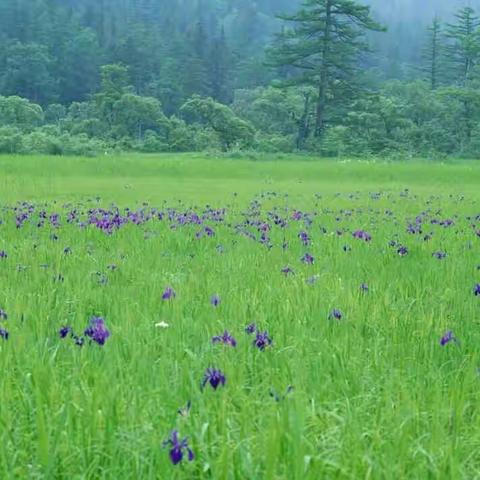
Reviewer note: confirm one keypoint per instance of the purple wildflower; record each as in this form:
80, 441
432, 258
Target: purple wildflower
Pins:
214, 377
64, 331
439, 255
262, 340
168, 294
303, 236
215, 300
4, 333
3, 314
308, 259
402, 250
447, 337
335, 314
178, 447
225, 338
3, 254
287, 271
97, 331
476, 290
362, 235
251, 328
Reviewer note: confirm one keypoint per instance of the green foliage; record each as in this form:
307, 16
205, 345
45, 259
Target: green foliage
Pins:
19, 112
463, 51
11, 139
133, 115
26, 72
231, 129
155, 77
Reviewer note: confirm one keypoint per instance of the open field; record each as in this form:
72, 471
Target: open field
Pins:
356, 270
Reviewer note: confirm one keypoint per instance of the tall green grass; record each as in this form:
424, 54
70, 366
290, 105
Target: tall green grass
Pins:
375, 395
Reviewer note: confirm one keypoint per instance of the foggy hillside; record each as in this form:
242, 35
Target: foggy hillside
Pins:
399, 50
422, 10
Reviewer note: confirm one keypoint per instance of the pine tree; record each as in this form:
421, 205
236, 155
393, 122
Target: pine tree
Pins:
463, 51
220, 70
433, 53
323, 46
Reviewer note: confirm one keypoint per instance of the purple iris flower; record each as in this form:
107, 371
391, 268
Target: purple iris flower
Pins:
439, 255
262, 341
215, 300
178, 447
476, 290
308, 259
214, 377
168, 294
335, 314
225, 338
64, 331
287, 271
447, 337
209, 232
362, 235
251, 328
3, 254
303, 236
402, 250
4, 333
97, 331
364, 287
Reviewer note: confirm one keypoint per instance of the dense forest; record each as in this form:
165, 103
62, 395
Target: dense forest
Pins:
332, 77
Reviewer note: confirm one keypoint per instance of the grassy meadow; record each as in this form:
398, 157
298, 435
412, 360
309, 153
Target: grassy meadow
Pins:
355, 269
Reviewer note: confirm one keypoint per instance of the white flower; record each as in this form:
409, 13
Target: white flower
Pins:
162, 325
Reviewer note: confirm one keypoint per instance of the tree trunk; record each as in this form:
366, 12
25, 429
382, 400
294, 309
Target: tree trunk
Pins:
322, 87
303, 126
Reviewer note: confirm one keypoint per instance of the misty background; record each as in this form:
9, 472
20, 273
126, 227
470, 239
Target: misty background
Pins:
82, 76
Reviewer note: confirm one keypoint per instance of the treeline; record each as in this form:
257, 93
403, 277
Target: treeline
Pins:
85, 76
